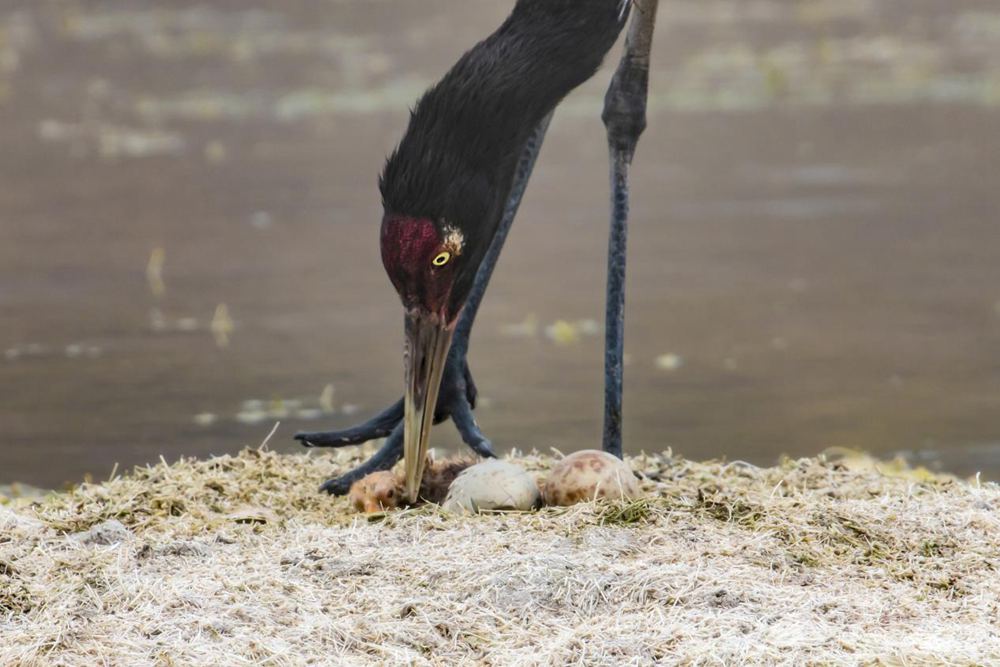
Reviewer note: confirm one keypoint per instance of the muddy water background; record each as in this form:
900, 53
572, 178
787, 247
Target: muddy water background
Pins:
815, 249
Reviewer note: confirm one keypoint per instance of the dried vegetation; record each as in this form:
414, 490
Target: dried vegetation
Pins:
237, 560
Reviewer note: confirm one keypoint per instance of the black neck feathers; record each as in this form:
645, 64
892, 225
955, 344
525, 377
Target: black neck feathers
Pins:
457, 158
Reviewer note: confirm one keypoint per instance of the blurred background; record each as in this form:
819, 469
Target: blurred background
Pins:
189, 232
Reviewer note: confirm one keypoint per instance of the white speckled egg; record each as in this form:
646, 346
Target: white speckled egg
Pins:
492, 485
589, 475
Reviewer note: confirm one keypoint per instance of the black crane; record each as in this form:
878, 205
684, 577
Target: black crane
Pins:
452, 189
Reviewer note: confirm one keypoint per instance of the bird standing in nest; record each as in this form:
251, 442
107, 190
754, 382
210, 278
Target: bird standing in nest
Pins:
451, 190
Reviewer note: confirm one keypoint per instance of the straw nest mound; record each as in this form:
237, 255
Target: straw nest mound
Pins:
238, 560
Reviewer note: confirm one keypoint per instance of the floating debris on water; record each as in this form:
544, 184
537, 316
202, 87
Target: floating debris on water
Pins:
261, 220
205, 418
669, 362
215, 152
154, 272
70, 351
562, 332
187, 324
53, 130
110, 142
528, 328
277, 409
255, 410
251, 416
350, 409
157, 322
222, 325
121, 142
27, 350
326, 399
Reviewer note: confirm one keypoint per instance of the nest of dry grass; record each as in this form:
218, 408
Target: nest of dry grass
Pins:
237, 560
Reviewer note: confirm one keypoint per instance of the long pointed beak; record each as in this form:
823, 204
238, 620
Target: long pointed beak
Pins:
428, 338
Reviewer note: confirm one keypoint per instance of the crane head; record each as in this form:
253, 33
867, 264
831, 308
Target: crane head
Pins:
424, 261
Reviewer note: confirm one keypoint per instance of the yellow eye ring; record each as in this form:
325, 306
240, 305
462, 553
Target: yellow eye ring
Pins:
442, 258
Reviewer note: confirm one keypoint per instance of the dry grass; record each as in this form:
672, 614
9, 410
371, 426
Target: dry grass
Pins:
237, 560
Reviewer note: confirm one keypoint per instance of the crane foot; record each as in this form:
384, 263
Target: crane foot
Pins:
456, 401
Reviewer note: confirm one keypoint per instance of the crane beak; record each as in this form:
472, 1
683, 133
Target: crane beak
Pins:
428, 338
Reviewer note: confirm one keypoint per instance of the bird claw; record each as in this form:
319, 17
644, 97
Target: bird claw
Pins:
338, 486
456, 400
379, 426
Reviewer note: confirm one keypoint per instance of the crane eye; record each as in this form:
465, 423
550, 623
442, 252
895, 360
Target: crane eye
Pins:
442, 258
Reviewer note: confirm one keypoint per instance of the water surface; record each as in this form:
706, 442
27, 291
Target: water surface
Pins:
189, 226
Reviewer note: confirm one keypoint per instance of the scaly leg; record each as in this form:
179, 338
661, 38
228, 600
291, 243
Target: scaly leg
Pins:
457, 397
386, 457
625, 118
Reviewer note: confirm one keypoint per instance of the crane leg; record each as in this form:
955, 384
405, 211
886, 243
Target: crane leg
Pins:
625, 118
457, 397
386, 457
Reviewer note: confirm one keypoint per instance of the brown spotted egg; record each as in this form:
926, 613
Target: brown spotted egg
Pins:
589, 475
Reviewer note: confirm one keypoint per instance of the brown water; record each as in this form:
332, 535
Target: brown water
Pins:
814, 260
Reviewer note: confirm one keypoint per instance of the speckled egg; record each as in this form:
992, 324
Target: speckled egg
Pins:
492, 485
589, 475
